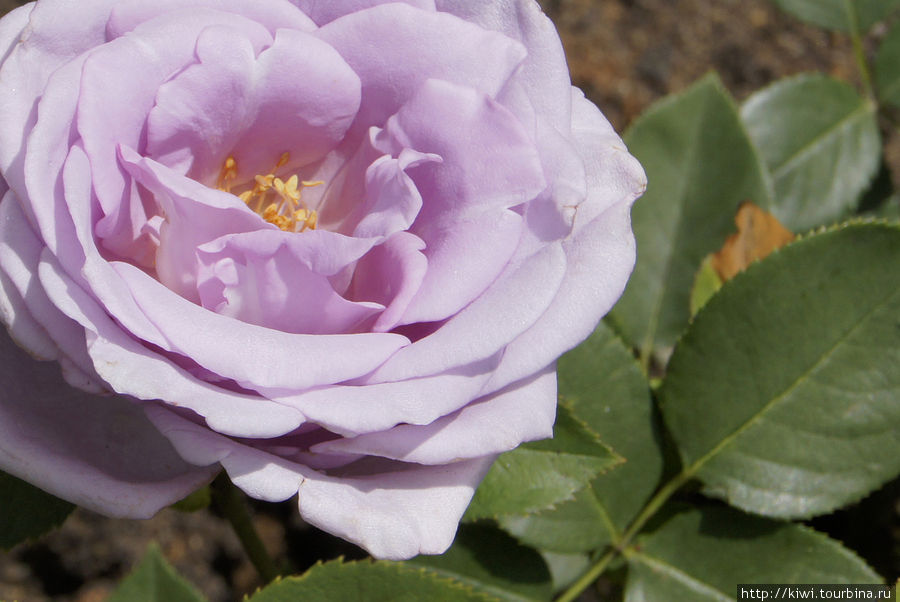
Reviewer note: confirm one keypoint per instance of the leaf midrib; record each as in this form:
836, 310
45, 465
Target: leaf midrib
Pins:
678, 574
864, 108
647, 345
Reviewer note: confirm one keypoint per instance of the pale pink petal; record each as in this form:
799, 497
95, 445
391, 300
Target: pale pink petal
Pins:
130, 70
391, 275
355, 409
133, 369
254, 356
20, 253
395, 514
99, 452
600, 257
420, 46
280, 280
273, 14
505, 310
46, 44
521, 412
544, 74
234, 103
325, 11
194, 215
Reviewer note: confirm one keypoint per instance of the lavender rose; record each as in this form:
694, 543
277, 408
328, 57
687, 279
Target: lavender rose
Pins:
334, 248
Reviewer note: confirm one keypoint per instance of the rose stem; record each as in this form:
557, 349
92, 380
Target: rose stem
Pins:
231, 502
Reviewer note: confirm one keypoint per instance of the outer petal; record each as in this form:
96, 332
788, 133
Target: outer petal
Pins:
522, 412
395, 514
22, 327
353, 409
273, 14
466, 194
600, 258
544, 74
131, 368
420, 46
254, 356
12, 27
488, 324
99, 452
47, 43
325, 11
599, 252
20, 253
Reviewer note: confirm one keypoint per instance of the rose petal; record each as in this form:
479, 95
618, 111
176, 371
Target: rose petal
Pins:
466, 194
355, 409
130, 368
396, 515
47, 43
521, 412
488, 324
130, 70
233, 103
423, 45
194, 215
325, 11
612, 175
544, 74
99, 452
600, 257
273, 14
21, 325
20, 253
391, 275
254, 356
392, 201
276, 280
12, 27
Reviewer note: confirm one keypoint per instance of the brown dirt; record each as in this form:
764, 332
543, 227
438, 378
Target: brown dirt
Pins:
625, 54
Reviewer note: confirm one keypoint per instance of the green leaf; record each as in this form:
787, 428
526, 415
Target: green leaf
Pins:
578, 525
819, 138
493, 562
706, 283
700, 165
605, 388
836, 14
889, 210
887, 67
784, 395
701, 555
26, 511
154, 580
541, 474
565, 568
367, 581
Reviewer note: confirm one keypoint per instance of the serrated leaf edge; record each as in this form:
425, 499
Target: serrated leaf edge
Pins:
400, 567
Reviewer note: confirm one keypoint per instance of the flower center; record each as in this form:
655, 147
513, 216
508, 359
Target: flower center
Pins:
279, 202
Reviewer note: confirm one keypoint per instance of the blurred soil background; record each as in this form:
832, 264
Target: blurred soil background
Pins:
625, 54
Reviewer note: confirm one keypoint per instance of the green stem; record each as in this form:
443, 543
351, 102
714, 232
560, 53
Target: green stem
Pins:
858, 50
652, 507
233, 505
588, 578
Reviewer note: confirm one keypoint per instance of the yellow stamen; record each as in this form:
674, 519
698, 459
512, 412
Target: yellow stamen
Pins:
227, 175
289, 213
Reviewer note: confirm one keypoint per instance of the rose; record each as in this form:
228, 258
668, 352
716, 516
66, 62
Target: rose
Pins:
334, 248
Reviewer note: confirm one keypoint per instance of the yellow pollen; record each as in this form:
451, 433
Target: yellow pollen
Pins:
288, 212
